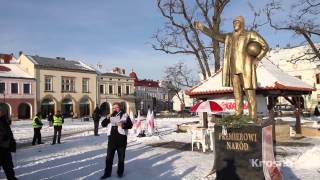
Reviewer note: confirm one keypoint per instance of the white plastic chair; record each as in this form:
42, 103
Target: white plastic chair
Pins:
199, 137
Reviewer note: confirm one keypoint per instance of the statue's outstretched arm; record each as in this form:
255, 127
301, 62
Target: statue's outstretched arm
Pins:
215, 35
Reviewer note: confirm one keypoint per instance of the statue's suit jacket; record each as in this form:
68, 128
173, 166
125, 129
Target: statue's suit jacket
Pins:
244, 62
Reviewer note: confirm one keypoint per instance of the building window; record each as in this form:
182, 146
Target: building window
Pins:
127, 89
14, 88
67, 84
26, 89
85, 85
102, 89
318, 78
119, 90
110, 89
299, 77
48, 83
2, 87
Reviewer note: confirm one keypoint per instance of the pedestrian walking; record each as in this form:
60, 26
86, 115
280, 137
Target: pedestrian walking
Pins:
37, 126
50, 119
7, 145
96, 118
117, 125
58, 120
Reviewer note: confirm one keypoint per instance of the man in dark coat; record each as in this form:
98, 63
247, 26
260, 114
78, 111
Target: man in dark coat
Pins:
96, 118
7, 145
117, 125
50, 119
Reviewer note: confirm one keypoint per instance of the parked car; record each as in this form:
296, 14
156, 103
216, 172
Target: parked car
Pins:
284, 110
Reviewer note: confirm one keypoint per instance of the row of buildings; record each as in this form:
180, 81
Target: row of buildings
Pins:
30, 84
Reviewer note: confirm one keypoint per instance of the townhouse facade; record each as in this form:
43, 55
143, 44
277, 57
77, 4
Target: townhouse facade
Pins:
17, 92
62, 85
116, 87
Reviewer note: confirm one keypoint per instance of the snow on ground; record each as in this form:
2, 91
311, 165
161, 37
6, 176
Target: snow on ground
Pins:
300, 158
82, 156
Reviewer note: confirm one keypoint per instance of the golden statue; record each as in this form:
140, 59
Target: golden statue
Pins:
242, 52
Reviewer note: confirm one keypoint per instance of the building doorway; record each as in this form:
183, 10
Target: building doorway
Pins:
67, 108
47, 106
6, 108
24, 111
84, 108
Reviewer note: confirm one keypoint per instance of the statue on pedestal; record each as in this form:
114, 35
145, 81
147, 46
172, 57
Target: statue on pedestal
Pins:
242, 52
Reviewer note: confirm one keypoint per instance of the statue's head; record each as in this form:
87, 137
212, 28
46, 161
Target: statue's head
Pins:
238, 23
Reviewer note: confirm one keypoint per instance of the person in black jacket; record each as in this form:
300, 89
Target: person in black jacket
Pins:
117, 125
50, 119
7, 145
96, 118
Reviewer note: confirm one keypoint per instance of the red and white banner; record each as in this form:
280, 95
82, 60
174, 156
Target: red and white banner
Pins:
270, 169
150, 122
138, 124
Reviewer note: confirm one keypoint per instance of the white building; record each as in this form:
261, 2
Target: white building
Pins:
307, 71
188, 102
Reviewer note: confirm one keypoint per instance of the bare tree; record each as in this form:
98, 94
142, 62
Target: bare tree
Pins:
257, 14
302, 21
179, 77
178, 35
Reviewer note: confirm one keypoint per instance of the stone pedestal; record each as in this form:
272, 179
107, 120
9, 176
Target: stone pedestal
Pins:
238, 152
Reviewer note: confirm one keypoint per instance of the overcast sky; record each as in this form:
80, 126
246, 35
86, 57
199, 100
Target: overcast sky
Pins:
109, 32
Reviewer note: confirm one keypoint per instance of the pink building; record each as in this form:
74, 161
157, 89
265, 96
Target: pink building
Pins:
17, 92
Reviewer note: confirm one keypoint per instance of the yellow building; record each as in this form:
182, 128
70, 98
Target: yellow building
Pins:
116, 87
62, 85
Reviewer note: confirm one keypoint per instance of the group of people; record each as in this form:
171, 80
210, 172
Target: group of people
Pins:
56, 120
117, 123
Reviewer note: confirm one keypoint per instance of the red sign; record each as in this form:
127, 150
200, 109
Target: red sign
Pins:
227, 105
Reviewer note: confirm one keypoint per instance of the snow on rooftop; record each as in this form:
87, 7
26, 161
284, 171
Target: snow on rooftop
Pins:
16, 71
269, 76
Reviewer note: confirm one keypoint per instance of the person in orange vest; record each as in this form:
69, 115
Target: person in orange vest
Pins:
58, 120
